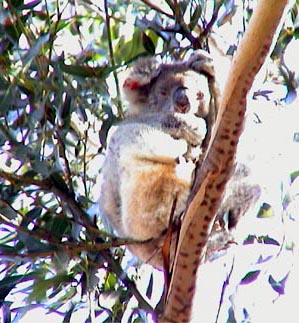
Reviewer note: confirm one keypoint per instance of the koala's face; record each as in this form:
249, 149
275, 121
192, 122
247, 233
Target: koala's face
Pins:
186, 92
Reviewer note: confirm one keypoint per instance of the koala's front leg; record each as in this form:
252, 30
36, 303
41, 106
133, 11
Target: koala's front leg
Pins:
194, 131
188, 127
201, 62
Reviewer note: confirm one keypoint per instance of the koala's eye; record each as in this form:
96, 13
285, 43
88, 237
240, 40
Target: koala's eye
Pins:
163, 92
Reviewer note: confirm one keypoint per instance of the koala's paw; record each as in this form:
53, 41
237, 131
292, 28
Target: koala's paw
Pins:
195, 130
184, 169
201, 62
193, 138
192, 154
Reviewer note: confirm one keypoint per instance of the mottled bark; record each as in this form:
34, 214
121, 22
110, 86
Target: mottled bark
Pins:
215, 171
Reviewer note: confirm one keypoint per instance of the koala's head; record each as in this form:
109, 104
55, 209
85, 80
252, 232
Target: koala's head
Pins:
186, 92
151, 87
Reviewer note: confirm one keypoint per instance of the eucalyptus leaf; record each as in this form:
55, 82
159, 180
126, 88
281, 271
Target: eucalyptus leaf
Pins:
250, 277
35, 49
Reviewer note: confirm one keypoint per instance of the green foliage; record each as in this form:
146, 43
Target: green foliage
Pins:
60, 62
250, 277
278, 286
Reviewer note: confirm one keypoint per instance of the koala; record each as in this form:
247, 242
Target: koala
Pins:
148, 167
240, 196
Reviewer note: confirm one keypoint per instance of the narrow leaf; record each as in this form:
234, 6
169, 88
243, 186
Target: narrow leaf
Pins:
35, 49
278, 286
148, 44
250, 277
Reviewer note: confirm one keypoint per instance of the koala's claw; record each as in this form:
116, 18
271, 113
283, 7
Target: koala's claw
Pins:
201, 62
193, 138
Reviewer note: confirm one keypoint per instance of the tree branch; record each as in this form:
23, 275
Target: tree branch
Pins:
74, 248
215, 172
157, 8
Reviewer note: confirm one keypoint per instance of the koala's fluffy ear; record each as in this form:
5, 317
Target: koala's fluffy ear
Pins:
142, 73
137, 85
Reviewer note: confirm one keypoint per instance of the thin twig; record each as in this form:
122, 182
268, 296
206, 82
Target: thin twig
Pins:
68, 172
157, 8
213, 20
112, 61
225, 284
78, 213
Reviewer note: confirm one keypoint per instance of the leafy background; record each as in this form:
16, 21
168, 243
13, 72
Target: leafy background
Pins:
62, 65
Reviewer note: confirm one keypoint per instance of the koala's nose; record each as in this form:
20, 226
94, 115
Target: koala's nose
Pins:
181, 101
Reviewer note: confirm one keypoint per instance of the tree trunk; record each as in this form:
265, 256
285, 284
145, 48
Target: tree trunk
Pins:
214, 173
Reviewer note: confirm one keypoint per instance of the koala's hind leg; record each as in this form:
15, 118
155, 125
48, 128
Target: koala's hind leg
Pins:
148, 198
